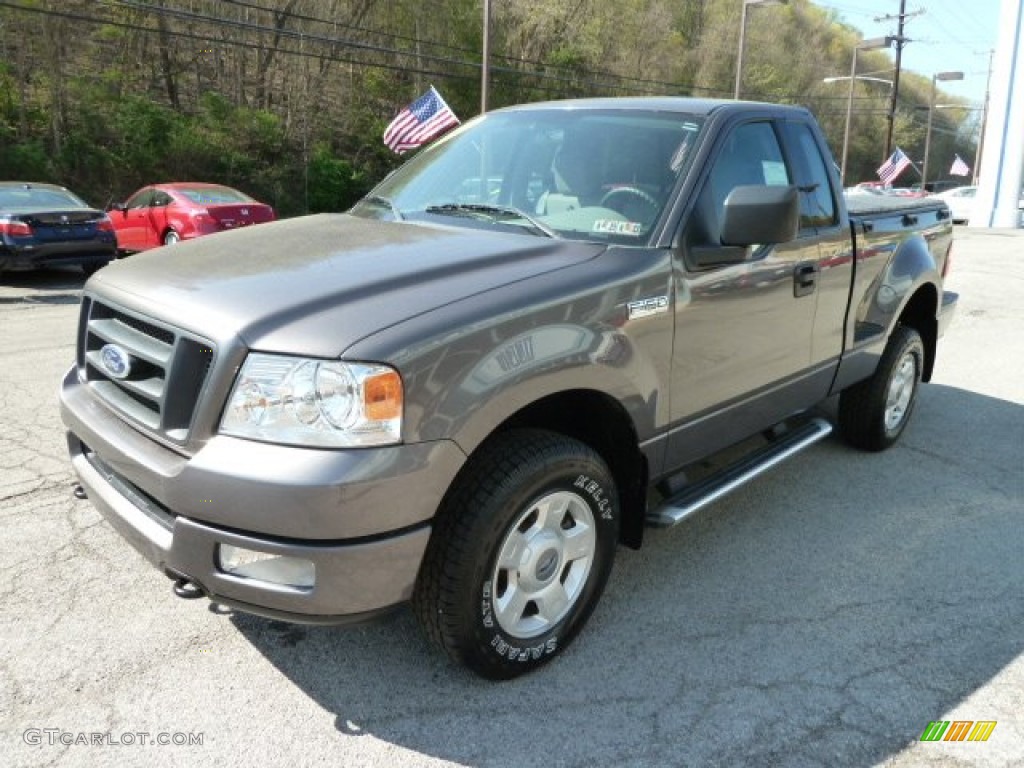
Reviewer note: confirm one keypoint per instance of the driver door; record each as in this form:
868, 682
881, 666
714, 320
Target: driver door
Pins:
131, 234
742, 348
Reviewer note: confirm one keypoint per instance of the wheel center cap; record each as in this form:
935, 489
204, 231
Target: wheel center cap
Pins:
546, 565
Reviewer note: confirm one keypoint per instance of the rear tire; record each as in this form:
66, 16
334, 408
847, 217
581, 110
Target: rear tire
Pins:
873, 413
520, 553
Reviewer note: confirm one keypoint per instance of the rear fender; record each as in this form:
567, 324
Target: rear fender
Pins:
911, 267
906, 288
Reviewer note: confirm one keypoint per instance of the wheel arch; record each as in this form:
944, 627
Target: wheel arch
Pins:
601, 422
913, 276
920, 313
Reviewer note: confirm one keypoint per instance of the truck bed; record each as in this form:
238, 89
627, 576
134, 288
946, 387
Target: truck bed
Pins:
876, 220
863, 206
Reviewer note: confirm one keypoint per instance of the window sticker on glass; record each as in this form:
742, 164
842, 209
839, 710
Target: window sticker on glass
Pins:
774, 173
679, 156
613, 227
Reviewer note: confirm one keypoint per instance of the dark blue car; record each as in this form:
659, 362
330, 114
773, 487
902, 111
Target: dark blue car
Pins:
44, 225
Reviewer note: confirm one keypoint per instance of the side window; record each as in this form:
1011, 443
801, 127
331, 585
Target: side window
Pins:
141, 200
161, 199
751, 155
817, 205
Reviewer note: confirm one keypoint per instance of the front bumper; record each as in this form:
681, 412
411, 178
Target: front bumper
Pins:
362, 518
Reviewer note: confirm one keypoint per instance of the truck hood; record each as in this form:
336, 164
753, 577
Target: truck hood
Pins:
317, 284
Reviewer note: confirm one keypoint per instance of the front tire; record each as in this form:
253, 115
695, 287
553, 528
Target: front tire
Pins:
520, 554
171, 237
873, 413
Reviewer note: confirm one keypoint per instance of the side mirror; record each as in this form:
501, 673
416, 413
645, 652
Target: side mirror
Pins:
761, 215
117, 207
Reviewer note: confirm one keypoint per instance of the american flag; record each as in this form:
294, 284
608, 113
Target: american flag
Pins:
421, 121
960, 168
894, 166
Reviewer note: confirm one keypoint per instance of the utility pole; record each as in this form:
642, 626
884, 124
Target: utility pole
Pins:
900, 42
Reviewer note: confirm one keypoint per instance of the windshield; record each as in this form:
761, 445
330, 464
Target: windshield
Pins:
581, 174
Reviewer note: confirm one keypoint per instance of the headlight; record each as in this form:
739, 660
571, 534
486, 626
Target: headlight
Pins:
314, 402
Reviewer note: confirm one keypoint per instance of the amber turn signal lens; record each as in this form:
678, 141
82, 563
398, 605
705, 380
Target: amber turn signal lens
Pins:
382, 397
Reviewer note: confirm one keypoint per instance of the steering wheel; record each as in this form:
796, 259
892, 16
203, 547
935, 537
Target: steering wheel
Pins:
633, 192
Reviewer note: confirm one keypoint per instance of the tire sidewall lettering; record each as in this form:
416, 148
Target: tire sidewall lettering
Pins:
523, 653
592, 488
507, 647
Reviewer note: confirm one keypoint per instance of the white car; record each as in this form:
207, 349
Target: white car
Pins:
960, 201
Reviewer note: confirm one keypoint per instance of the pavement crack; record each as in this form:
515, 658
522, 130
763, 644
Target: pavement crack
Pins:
39, 488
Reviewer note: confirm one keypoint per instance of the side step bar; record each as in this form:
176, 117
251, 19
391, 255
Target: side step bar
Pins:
693, 498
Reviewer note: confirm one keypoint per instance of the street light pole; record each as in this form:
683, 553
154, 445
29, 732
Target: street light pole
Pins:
849, 115
943, 76
864, 45
743, 39
984, 120
485, 57
739, 53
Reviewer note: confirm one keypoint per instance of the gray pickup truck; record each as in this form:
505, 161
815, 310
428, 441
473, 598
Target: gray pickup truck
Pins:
559, 324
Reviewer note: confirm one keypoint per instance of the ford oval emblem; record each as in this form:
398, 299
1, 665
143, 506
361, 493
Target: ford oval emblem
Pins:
115, 361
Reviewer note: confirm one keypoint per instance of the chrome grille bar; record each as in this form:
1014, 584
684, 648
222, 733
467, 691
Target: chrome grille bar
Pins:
166, 367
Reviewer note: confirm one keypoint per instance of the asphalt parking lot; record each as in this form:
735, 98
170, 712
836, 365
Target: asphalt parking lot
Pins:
821, 616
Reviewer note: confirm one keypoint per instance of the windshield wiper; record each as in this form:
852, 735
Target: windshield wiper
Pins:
505, 210
387, 202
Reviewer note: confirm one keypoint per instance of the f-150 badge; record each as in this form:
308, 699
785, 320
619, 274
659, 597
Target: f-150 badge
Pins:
653, 305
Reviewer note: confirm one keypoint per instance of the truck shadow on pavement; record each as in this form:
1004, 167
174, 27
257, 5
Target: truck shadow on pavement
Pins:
822, 615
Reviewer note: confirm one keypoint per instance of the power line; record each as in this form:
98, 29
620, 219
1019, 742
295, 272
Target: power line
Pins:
219, 41
472, 52
180, 13
334, 43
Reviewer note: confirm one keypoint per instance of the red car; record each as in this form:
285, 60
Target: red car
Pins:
163, 214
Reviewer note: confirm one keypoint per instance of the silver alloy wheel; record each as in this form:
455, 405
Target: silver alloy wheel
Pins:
543, 563
171, 238
901, 391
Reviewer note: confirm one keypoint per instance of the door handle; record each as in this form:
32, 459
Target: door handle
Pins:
805, 277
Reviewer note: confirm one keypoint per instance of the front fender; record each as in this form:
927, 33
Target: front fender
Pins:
470, 366
537, 364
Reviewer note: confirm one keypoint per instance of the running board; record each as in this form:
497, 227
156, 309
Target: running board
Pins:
693, 498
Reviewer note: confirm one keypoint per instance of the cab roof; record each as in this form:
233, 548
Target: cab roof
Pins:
680, 104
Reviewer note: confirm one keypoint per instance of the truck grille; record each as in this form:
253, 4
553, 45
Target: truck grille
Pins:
148, 371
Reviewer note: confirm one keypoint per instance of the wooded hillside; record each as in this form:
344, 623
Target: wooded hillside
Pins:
287, 99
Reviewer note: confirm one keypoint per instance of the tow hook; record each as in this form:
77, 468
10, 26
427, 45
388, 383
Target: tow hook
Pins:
187, 590
79, 492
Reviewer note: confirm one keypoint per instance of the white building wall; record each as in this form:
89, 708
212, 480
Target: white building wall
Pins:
999, 183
